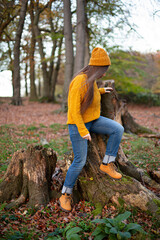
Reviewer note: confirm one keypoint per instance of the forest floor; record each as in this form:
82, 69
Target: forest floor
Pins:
33, 123
48, 113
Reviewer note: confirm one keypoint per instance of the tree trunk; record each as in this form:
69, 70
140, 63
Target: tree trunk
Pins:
54, 42
16, 94
46, 87
80, 36
11, 67
33, 93
116, 109
25, 78
55, 72
68, 51
96, 187
87, 53
29, 176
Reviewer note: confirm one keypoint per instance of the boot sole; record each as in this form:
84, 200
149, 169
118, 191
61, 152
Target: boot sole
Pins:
65, 210
109, 175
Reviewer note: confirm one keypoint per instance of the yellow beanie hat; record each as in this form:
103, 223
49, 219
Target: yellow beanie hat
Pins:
99, 57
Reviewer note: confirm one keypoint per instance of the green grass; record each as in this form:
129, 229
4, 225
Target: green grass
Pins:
13, 138
32, 128
141, 151
57, 127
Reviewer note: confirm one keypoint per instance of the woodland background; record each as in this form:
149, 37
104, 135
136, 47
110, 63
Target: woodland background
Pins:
44, 43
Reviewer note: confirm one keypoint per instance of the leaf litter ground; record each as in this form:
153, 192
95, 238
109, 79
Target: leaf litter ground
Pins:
35, 122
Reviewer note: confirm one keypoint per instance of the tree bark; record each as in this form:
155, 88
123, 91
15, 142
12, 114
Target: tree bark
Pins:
16, 78
46, 87
29, 176
87, 53
55, 72
80, 36
54, 41
68, 51
33, 93
114, 108
25, 78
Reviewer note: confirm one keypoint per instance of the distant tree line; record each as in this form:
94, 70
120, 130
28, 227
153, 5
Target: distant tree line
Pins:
37, 37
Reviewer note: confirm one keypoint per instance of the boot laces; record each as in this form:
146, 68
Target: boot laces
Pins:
113, 167
68, 198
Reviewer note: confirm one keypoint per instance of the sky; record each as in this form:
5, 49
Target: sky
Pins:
145, 14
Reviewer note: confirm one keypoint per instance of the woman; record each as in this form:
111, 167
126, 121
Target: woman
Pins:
84, 117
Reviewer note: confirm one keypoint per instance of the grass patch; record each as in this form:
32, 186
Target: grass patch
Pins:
57, 127
141, 151
61, 146
32, 128
13, 138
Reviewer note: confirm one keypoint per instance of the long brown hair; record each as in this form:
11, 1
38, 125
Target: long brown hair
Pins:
93, 73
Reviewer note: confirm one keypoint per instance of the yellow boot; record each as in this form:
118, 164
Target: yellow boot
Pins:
110, 170
65, 202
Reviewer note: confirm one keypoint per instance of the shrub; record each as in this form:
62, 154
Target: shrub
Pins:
115, 228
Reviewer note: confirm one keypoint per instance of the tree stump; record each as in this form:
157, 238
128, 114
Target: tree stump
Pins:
93, 186
29, 176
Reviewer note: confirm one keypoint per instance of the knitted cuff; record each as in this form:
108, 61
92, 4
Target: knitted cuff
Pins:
108, 159
67, 190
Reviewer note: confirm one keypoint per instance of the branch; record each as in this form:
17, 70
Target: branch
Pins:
46, 6
5, 24
44, 30
149, 135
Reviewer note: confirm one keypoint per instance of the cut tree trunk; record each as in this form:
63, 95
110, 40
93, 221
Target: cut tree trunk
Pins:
114, 108
29, 177
93, 186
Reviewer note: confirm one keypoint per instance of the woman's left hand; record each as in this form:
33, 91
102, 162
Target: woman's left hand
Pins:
88, 137
108, 89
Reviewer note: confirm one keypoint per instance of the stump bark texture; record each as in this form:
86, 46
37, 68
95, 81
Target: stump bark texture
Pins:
29, 176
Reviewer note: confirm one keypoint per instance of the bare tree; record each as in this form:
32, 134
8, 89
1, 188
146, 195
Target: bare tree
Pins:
38, 10
16, 77
56, 70
33, 94
86, 51
68, 50
80, 36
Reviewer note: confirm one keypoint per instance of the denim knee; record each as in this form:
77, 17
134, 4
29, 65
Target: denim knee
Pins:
121, 129
79, 163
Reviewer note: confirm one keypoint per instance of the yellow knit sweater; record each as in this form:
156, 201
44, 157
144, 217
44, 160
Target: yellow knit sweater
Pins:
77, 90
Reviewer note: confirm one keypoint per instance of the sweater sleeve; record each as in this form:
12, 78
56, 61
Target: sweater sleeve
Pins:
101, 90
75, 107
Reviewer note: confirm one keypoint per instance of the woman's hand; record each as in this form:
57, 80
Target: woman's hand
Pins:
88, 137
108, 89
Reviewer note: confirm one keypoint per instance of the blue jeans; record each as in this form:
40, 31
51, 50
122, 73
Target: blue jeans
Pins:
101, 125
